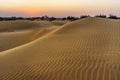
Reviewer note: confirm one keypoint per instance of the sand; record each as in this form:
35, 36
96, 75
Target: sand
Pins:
16, 33
9, 26
86, 49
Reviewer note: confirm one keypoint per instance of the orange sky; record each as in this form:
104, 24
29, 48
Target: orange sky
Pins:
58, 7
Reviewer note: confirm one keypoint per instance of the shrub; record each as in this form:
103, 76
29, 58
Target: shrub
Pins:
113, 17
1, 19
101, 16
71, 18
84, 16
52, 18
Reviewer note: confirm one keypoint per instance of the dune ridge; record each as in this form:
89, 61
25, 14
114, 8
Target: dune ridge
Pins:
17, 33
86, 49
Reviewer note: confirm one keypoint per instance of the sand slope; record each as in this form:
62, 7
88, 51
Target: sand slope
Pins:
86, 49
13, 39
22, 25
16, 33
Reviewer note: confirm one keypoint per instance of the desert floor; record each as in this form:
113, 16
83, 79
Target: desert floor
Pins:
86, 49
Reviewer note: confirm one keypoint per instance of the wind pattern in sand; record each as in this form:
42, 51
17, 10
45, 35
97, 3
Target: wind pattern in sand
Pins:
87, 49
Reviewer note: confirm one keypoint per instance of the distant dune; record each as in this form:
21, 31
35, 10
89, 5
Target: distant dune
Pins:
16, 33
86, 49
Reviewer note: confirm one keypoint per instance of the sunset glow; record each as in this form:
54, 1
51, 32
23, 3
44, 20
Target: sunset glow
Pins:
58, 7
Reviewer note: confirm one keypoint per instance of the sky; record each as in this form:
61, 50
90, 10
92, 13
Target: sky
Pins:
58, 8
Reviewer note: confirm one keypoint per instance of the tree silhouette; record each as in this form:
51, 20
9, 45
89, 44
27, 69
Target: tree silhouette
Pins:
1, 19
71, 18
64, 18
84, 16
52, 18
101, 16
112, 16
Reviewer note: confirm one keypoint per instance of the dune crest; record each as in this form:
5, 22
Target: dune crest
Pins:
17, 33
86, 49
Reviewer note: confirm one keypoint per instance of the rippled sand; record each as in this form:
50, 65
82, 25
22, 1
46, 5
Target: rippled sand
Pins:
86, 49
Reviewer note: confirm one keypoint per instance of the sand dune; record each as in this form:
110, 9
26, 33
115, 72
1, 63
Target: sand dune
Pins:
60, 22
13, 39
22, 25
86, 49
16, 33
9, 26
